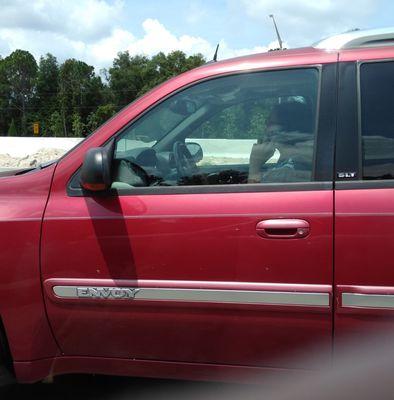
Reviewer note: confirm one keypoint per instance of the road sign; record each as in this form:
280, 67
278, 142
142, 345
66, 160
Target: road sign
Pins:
36, 128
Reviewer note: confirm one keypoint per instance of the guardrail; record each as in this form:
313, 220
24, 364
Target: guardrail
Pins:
23, 146
15, 151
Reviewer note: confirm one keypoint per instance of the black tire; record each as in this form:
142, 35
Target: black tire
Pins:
7, 375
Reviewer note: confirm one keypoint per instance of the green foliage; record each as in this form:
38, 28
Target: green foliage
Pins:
12, 129
46, 97
70, 99
132, 76
77, 125
98, 117
5, 116
79, 93
19, 72
127, 77
240, 121
55, 125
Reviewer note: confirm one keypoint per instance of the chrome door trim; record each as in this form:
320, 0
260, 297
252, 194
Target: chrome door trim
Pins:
310, 299
361, 300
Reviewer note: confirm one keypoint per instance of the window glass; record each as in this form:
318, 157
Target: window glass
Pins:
247, 128
377, 119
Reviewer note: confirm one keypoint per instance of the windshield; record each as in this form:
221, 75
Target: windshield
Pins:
147, 131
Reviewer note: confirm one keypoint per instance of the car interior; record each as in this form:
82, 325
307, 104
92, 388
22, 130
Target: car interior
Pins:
163, 147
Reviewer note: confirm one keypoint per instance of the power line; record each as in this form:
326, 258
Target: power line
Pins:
102, 91
57, 108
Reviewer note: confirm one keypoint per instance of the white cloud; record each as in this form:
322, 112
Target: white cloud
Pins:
87, 20
102, 52
303, 21
95, 30
90, 30
157, 38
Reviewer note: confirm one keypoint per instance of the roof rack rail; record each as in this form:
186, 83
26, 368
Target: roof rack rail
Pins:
358, 38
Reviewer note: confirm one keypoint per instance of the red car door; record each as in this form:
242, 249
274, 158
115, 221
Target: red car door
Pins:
364, 200
204, 268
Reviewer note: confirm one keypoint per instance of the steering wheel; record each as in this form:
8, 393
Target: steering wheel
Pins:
184, 161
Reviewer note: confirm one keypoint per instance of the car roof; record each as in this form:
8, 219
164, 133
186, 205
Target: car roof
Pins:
269, 60
354, 45
275, 58
291, 58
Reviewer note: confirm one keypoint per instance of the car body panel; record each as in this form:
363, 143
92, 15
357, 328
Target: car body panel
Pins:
203, 239
364, 231
33, 371
22, 203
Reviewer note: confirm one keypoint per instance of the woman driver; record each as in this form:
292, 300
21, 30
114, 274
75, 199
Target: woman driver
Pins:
287, 125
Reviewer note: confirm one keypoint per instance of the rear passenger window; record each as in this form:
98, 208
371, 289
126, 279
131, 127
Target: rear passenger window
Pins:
377, 119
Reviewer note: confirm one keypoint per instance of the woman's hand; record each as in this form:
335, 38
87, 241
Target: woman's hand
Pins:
259, 155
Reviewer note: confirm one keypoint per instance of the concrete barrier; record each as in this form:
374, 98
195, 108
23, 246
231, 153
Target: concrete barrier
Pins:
237, 149
24, 146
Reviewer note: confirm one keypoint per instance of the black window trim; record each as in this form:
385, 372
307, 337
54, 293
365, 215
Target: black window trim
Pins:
360, 183
325, 181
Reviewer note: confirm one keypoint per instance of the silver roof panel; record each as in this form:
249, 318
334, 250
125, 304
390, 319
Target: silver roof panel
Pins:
358, 38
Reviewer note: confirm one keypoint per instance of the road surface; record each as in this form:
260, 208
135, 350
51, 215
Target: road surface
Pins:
89, 387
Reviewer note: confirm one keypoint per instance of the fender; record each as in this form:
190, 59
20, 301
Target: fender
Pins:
22, 203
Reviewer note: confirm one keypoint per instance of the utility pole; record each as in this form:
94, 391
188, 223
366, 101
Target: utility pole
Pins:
277, 32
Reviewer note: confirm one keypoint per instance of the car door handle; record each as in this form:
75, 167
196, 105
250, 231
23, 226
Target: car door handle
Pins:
283, 228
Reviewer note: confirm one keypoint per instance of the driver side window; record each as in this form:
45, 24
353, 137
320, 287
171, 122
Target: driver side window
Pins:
247, 128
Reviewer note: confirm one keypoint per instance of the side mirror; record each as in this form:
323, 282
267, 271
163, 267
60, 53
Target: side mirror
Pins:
195, 150
96, 169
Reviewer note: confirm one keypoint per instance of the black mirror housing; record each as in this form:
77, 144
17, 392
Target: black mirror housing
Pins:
96, 170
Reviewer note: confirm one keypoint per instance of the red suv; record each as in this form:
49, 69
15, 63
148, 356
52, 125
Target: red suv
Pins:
230, 218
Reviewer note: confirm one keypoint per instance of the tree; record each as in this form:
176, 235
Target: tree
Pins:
71, 99
132, 76
80, 92
78, 126
12, 129
55, 124
127, 77
98, 117
47, 88
20, 71
4, 99
162, 67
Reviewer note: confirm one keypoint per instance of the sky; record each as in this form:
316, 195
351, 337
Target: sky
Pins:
96, 30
